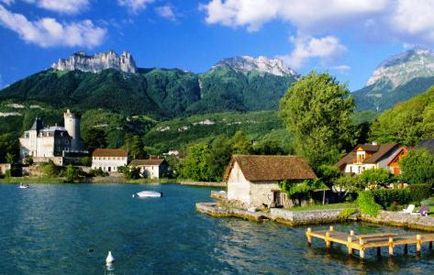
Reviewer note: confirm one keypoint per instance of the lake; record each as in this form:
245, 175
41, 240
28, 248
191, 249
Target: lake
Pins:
66, 228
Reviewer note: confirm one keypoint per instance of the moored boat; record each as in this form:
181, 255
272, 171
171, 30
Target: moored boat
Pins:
149, 194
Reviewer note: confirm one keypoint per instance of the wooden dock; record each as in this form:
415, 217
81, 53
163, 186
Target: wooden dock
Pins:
363, 242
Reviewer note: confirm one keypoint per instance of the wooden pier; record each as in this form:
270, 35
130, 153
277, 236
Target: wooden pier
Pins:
363, 242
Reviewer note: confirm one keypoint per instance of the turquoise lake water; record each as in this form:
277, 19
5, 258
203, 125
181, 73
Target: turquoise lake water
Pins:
68, 229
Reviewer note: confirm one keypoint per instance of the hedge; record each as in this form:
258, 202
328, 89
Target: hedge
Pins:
413, 193
366, 203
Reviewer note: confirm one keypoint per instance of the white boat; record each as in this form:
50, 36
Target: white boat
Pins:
149, 194
23, 186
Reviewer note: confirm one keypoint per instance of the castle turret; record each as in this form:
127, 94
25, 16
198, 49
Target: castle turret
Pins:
72, 125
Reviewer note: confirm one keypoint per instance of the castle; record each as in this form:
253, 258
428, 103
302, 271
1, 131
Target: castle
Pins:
52, 143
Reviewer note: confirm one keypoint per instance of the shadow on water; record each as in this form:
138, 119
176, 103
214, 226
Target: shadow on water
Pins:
60, 229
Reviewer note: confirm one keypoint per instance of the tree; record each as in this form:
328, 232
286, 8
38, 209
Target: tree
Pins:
240, 143
71, 173
196, 165
317, 110
134, 145
94, 138
418, 167
375, 177
406, 123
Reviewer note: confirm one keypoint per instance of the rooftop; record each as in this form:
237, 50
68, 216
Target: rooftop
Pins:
144, 162
109, 153
271, 168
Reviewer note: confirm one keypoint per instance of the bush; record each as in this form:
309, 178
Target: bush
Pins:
418, 167
366, 203
386, 197
71, 173
98, 173
428, 202
419, 192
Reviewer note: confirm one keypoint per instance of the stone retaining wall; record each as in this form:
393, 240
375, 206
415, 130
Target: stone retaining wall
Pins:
402, 220
306, 217
203, 183
215, 210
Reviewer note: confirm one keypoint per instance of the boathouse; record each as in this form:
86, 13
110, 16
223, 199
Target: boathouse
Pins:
253, 180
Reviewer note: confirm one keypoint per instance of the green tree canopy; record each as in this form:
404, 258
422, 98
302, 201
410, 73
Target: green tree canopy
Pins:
418, 167
407, 123
317, 110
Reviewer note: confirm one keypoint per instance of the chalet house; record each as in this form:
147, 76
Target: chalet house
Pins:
253, 181
152, 168
373, 155
109, 160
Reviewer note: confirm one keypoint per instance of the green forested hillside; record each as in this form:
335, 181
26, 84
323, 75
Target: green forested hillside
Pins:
408, 122
156, 92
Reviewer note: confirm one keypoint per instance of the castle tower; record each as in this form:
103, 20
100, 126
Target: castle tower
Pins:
72, 125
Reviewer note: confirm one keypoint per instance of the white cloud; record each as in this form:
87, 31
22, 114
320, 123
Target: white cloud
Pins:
166, 11
304, 14
326, 49
48, 32
64, 6
414, 18
343, 69
134, 6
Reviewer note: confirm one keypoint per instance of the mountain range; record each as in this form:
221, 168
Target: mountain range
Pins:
114, 82
399, 78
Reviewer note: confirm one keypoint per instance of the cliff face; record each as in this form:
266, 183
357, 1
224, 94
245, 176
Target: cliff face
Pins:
97, 63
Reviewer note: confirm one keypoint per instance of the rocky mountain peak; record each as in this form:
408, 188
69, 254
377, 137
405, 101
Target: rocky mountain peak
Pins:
402, 68
261, 64
97, 63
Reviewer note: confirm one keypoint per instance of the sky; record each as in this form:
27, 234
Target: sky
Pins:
347, 38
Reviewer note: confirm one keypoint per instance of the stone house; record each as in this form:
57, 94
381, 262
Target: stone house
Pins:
373, 155
253, 181
109, 160
153, 168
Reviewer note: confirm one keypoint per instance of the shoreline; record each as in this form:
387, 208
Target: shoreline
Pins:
318, 217
107, 180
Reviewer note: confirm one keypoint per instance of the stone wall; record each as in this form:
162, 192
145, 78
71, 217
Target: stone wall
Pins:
402, 220
305, 217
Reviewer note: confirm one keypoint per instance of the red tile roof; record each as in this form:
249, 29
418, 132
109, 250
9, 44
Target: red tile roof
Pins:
109, 153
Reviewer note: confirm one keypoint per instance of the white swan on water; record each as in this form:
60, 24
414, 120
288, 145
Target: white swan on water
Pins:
109, 260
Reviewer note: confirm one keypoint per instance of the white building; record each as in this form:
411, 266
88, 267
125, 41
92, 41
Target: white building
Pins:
109, 160
370, 156
152, 168
44, 143
253, 180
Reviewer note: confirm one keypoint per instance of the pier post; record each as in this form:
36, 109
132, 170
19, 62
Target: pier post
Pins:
406, 249
349, 241
352, 232
309, 237
331, 228
390, 246
418, 244
378, 251
362, 249
430, 245
328, 243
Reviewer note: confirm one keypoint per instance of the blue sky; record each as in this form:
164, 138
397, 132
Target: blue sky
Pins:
348, 38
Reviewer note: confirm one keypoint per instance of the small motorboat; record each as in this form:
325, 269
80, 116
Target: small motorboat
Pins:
149, 194
23, 186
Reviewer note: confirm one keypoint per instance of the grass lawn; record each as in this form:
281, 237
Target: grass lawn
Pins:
325, 206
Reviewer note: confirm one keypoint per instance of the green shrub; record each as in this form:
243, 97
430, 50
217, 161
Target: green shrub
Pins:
428, 202
366, 203
385, 197
419, 192
346, 213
